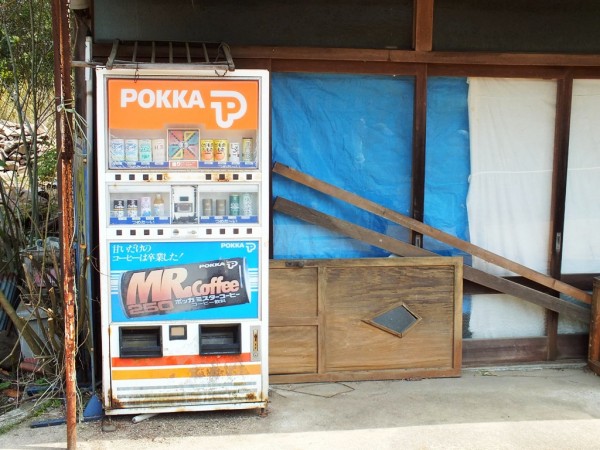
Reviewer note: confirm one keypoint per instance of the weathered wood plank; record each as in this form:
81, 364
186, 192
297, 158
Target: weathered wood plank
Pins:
594, 343
415, 225
403, 249
292, 349
293, 293
423, 25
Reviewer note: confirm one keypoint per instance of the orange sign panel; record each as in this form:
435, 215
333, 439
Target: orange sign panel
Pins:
154, 104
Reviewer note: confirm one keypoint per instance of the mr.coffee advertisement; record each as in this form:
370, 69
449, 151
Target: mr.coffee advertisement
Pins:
185, 280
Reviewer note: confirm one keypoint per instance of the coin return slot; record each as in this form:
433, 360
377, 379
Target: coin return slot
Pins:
178, 332
140, 342
220, 339
131, 177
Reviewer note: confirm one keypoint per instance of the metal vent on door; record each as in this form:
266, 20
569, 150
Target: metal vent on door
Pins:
398, 321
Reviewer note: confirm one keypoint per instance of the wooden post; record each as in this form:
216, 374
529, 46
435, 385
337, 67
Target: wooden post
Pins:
594, 345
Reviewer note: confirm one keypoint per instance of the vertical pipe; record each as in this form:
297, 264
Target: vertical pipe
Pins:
89, 167
64, 102
594, 345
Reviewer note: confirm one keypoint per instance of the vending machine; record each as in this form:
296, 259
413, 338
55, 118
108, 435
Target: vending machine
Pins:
183, 183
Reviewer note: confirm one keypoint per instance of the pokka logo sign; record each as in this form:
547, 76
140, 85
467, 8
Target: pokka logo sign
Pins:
154, 104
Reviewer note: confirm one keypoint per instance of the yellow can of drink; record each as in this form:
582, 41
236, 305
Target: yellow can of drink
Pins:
207, 150
221, 149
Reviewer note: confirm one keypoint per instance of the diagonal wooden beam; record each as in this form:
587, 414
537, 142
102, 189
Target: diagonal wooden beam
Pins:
441, 236
397, 247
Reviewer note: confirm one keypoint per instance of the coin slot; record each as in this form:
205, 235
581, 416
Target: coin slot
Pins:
177, 332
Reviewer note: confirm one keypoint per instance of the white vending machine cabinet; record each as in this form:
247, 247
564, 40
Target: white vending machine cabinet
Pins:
183, 185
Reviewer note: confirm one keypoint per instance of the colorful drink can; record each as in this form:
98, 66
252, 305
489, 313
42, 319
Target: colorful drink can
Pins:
248, 150
167, 289
234, 205
159, 154
221, 149
207, 150
145, 149
247, 204
132, 208
119, 209
207, 207
131, 150
117, 150
221, 207
234, 152
146, 206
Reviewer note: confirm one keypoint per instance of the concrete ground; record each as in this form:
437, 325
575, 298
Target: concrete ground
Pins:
554, 407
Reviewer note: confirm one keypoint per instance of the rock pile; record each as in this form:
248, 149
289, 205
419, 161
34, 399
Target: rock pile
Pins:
13, 149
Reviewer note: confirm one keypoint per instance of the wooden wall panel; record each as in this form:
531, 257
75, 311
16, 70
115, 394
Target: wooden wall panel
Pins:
331, 340
352, 344
292, 349
293, 294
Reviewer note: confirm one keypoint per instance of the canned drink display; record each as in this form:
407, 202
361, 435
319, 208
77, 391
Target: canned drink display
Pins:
247, 204
207, 150
221, 207
248, 150
221, 148
234, 205
131, 150
207, 207
145, 150
132, 208
234, 152
159, 154
119, 209
117, 150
